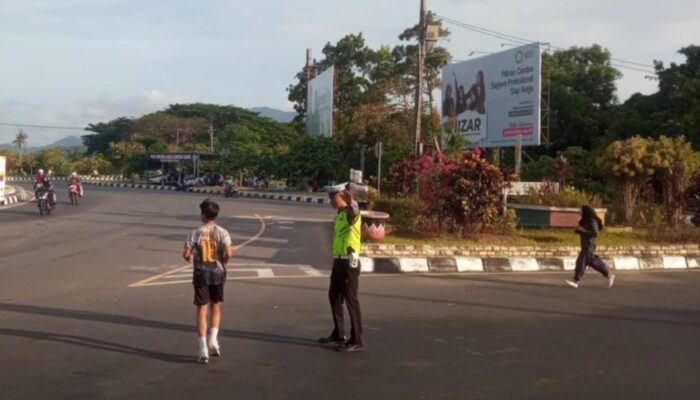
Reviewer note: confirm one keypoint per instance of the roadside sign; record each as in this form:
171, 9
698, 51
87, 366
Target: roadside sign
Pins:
2, 179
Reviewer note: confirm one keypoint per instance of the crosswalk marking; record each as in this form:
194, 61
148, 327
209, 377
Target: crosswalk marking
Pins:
241, 271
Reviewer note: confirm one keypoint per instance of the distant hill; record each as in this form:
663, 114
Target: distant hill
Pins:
68, 142
277, 115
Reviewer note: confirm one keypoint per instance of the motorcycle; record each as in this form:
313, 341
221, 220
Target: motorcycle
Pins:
43, 200
74, 193
231, 191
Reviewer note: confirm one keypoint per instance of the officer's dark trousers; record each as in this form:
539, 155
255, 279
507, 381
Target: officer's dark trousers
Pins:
344, 285
587, 257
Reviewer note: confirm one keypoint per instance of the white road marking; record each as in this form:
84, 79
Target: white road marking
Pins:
292, 219
255, 237
262, 272
311, 271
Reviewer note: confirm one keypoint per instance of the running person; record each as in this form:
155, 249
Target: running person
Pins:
588, 228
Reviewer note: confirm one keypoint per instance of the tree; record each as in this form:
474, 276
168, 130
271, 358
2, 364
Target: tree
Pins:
21, 141
55, 160
674, 110
678, 162
127, 157
316, 158
173, 130
630, 163
11, 158
92, 165
679, 96
107, 132
582, 91
436, 57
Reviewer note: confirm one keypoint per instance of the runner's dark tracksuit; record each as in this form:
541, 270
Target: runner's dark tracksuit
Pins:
587, 256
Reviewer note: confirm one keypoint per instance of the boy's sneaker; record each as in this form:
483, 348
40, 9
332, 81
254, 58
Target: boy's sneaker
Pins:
215, 350
203, 357
611, 280
572, 284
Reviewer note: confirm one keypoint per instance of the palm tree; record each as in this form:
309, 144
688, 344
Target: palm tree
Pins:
20, 140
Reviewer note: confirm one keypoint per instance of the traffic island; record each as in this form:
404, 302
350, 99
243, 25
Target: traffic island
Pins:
393, 258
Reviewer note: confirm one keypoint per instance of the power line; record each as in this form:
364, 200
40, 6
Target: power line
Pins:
72, 128
524, 41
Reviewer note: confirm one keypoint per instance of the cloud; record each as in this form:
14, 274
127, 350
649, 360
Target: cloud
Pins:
107, 107
100, 109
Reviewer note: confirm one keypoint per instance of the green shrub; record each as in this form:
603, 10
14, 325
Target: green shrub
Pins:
504, 224
547, 195
404, 212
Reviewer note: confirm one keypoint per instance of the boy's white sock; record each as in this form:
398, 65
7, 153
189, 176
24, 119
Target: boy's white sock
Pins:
202, 340
213, 336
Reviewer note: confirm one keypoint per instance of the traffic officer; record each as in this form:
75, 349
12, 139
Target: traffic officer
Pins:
346, 269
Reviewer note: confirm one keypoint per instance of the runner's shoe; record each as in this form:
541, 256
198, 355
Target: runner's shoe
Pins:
215, 350
572, 284
611, 280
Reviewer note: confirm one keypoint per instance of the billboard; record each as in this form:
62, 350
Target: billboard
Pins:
493, 99
319, 114
2, 179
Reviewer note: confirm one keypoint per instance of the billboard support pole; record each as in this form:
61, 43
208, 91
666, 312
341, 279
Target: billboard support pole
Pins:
518, 153
419, 81
308, 88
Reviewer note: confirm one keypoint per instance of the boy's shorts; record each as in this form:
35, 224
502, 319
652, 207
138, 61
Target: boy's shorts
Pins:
205, 294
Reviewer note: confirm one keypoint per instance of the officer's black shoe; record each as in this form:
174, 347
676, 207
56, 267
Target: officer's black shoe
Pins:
331, 339
350, 348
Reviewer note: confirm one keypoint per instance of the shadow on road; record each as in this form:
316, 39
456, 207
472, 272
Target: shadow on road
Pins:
643, 315
136, 322
97, 345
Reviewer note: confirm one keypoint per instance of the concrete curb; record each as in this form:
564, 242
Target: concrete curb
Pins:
19, 196
518, 264
106, 178
252, 195
13, 199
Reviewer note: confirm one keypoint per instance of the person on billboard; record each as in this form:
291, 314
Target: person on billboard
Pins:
448, 105
476, 96
461, 100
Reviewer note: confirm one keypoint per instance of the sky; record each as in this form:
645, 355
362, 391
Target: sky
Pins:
74, 62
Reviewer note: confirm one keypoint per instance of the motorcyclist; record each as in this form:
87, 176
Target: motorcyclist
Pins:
75, 180
40, 178
230, 184
43, 180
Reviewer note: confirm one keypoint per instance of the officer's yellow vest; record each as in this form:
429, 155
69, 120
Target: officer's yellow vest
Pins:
346, 235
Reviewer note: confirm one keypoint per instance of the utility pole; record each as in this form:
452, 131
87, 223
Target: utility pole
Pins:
177, 139
308, 88
211, 138
419, 81
378, 149
362, 158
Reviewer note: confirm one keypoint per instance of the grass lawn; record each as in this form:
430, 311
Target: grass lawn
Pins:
556, 237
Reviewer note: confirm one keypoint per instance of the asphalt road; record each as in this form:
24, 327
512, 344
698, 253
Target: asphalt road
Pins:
95, 303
